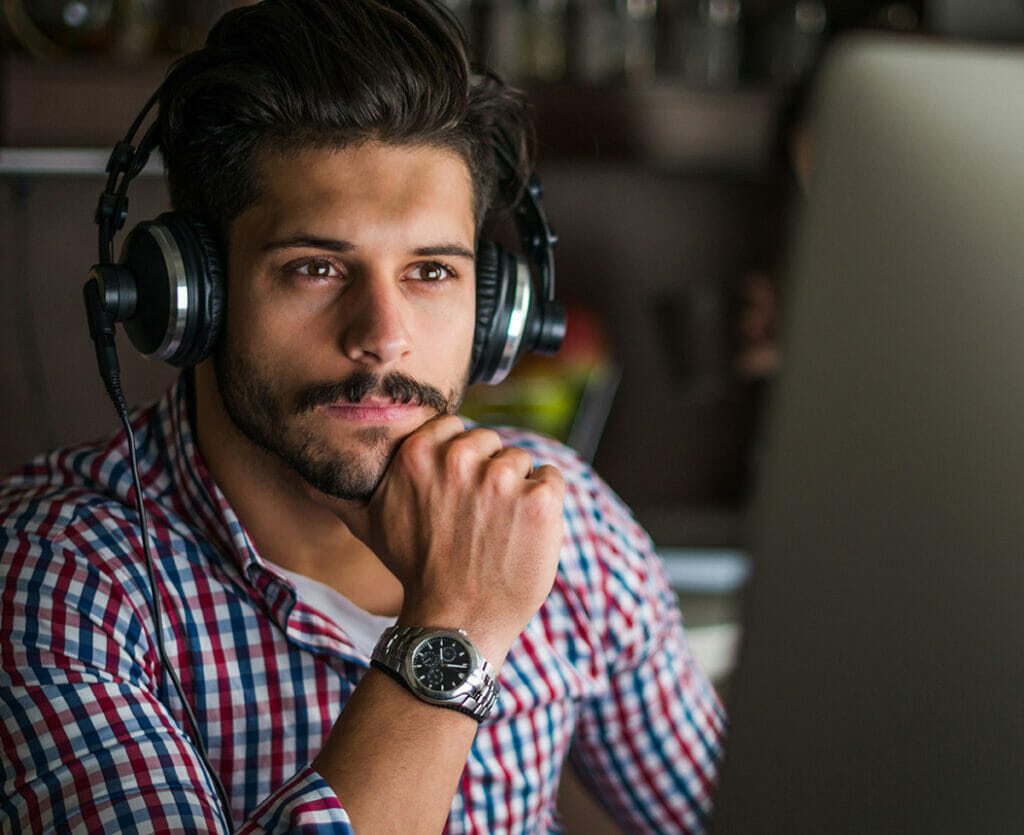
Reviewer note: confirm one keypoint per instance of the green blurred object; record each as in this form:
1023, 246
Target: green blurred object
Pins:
566, 396
546, 404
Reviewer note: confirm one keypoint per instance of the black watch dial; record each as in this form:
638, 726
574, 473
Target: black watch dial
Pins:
441, 663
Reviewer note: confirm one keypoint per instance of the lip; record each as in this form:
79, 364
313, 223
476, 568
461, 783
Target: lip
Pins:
372, 411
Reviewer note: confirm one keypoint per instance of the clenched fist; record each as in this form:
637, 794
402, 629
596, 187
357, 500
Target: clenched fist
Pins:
469, 528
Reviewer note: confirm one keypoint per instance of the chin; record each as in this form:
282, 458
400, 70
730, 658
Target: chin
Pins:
348, 475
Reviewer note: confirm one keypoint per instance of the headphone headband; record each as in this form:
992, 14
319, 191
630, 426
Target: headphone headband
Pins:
123, 166
513, 316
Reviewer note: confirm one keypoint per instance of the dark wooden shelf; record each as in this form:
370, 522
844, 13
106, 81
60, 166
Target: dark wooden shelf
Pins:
664, 124
85, 102
76, 102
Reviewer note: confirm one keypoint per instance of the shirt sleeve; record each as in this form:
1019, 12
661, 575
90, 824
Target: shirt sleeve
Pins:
87, 744
649, 749
649, 746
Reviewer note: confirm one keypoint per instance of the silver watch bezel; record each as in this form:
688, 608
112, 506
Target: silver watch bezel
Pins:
456, 695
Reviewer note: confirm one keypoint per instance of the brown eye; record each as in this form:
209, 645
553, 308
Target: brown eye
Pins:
432, 272
317, 268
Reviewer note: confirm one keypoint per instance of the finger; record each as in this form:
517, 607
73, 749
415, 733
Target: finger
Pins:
547, 474
485, 441
441, 428
516, 459
424, 441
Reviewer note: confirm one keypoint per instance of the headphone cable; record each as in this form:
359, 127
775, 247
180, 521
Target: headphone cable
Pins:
102, 331
166, 666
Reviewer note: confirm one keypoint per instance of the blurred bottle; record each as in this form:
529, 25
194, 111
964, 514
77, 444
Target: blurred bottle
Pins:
187, 22
141, 27
594, 41
545, 39
73, 25
712, 44
793, 40
639, 35
496, 28
701, 42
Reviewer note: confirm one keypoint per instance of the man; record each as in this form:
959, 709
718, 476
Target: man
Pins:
308, 486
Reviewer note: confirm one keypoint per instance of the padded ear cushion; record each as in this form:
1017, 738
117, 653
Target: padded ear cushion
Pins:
179, 278
489, 289
211, 281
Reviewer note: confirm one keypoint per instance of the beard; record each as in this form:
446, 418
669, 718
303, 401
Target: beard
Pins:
261, 413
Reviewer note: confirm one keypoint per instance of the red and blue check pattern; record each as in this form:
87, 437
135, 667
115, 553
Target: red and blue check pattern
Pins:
94, 737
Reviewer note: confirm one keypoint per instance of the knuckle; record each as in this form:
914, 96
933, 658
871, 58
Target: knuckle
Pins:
484, 436
551, 478
460, 456
450, 422
544, 502
522, 458
416, 447
503, 473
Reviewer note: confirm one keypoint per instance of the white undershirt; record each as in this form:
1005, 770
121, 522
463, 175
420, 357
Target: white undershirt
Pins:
362, 628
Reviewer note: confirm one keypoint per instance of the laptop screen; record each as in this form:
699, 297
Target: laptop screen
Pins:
880, 680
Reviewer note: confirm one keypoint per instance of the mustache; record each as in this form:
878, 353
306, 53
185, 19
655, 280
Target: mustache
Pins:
394, 385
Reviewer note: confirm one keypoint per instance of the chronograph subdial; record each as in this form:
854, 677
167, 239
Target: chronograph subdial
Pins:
441, 664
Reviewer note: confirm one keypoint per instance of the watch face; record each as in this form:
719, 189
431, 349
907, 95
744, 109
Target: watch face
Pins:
441, 663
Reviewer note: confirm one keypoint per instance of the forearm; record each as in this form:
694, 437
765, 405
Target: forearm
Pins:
395, 761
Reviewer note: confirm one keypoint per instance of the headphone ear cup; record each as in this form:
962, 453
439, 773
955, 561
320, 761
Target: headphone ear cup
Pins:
503, 295
488, 286
179, 278
211, 288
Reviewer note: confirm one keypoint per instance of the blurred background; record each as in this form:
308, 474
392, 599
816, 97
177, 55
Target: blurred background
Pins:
674, 136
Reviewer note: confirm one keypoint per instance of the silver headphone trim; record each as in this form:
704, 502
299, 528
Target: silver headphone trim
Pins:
178, 303
516, 322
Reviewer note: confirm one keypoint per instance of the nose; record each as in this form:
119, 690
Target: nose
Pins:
374, 330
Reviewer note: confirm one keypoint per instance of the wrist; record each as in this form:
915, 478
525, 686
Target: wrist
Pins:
491, 643
439, 665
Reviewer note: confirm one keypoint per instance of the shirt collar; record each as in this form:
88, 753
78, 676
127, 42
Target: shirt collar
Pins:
208, 509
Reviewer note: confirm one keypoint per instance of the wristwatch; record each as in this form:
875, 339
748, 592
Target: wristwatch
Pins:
440, 666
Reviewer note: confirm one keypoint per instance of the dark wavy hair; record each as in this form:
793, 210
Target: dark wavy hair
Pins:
284, 75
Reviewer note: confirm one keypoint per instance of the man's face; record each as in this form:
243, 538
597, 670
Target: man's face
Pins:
351, 303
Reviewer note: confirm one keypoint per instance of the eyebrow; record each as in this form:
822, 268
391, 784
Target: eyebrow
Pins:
309, 242
451, 250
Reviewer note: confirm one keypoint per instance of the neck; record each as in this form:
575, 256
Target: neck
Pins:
290, 523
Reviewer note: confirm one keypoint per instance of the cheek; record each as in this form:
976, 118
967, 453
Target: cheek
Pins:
451, 337
264, 322
259, 342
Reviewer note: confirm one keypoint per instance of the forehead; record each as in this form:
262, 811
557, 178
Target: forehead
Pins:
364, 186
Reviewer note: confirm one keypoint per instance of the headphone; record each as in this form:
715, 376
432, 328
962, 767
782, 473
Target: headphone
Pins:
168, 289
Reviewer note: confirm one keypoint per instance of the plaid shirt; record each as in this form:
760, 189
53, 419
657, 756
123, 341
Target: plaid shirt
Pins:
94, 737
